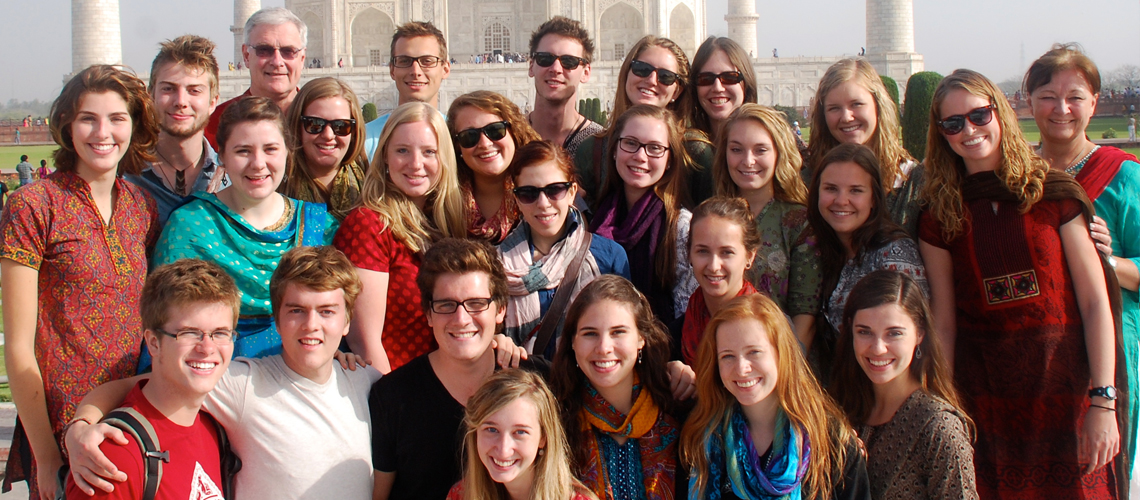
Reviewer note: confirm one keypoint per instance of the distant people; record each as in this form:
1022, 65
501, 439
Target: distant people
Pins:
340, 63
17, 137
24, 171
1131, 129
796, 129
274, 50
43, 171
723, 80
561, 51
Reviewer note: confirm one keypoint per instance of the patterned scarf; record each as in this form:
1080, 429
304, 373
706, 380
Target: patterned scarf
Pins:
341, 196
697, 317
525, 277
495, 229
655, 431
779, 477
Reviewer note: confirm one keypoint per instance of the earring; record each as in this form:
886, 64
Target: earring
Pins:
918, 352
640, 354
541, 451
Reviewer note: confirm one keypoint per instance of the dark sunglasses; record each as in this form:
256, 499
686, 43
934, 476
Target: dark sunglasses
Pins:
425, 61
554, 192
978, 116
287, 53
546, 60
705, 79
314, 125
470, 137
644, 69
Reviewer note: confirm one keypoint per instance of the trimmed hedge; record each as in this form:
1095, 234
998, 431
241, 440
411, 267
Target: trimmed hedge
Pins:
916, 115
892, 89
369, 112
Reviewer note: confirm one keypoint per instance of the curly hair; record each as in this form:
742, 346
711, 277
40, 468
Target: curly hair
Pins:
787, 184
521, 132
739, 58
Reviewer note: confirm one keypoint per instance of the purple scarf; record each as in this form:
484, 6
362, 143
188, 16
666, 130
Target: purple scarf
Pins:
635, 229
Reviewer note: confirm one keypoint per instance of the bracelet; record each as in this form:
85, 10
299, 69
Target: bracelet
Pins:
63, 433
1102, 407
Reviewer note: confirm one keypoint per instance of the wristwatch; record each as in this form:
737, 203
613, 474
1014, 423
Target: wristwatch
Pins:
1107, 392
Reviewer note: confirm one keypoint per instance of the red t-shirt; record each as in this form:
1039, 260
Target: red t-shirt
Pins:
369, 245
194, 470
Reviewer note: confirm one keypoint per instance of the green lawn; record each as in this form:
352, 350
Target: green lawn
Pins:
1096, 127
10, 155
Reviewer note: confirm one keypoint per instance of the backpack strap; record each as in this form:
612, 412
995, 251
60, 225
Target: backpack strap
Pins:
230, 462
558, 305
137, 425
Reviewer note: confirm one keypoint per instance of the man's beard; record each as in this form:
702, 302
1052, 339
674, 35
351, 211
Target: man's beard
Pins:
198, 125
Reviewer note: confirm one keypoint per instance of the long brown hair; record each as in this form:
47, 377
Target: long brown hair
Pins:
739, 59
494, 103
787, 184
802, 399
680, 107
298, 173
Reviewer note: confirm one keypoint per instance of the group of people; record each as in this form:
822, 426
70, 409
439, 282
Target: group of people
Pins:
481, 303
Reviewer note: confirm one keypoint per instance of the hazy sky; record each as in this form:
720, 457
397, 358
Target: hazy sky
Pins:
996, 37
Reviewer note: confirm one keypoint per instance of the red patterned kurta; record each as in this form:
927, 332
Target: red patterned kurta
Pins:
1020, 360
369, 245
91, 274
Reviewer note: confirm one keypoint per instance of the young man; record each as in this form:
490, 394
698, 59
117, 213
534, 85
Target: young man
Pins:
560, 55
184, 85
419, 65
298, 420
189, 309
24, 171
274, 52
417, 410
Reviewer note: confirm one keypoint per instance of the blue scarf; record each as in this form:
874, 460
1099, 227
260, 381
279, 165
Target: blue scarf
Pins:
733, 457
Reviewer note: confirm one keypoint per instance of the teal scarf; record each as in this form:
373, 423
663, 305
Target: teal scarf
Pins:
734, 462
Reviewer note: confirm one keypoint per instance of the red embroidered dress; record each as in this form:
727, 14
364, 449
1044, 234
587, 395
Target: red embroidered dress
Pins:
88, 328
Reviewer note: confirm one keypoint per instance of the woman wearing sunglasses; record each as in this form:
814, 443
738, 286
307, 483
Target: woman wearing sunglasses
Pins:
1020, 299
723, 80
853, 107
326, 134
486, 129
551, 240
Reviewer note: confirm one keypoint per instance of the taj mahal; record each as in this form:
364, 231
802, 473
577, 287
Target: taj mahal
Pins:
359, 32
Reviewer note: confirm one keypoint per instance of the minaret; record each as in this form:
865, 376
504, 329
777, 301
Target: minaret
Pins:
890, 26
242, 10
742, 20
95, 37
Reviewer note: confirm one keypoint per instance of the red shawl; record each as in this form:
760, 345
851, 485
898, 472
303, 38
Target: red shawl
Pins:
697, 318
1101, 168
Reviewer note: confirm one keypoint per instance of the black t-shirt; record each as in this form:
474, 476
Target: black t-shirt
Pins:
417, 429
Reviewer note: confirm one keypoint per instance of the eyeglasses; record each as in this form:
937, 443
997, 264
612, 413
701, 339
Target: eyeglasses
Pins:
631, 145
705, 79
425, 61
287, 53
314, 125
643, 69
494, 131
546, 60
470, 305
191, 336
554, 192
978, 116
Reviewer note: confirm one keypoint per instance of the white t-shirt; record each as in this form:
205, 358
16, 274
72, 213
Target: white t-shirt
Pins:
296, 438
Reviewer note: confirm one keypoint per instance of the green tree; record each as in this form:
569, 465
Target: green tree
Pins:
790, 113
916, 116
892, 89
369, 112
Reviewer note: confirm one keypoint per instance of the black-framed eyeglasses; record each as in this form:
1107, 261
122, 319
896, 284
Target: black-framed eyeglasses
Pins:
978, 116
425, 61
644, 69
314, 125
554, 192
652, 150
494, 131
191, 336
472, 306
705, 78
287, 53
546, 60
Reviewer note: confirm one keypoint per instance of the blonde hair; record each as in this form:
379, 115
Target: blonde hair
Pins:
787, 184
1020, 169
801, 398
885, 142
680, 107
408, 223
298, 174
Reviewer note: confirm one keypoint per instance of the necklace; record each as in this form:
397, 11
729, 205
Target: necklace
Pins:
1076, 167
179, 174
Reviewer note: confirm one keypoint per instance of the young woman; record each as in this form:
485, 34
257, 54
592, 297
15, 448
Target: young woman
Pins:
642, 206
852, 106
326, 135
1063, 87
1020, 299
763, 428
758, 161
609, 374
516, 449
722, 246
723, 80
891, 379
247, 227
487, 129
73, 260
847, 208
538, 253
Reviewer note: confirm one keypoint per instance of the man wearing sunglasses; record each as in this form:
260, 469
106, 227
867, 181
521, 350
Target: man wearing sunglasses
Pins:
419, 66
561, 51
274, 52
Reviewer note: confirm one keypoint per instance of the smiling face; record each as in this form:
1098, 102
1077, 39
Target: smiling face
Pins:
719, 100
719, 257
192, 370
648, 90
255, 158
488, 158
747, 362
637, 170
546, 217
508, 442
274, 75
979, 146
182, 100
555, 83
751, 156
606, 345
413, 162
311, 324
851, 113
325, 151
884, 339
462, 335
101, 133
1063, 107
416, 83
845, 198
